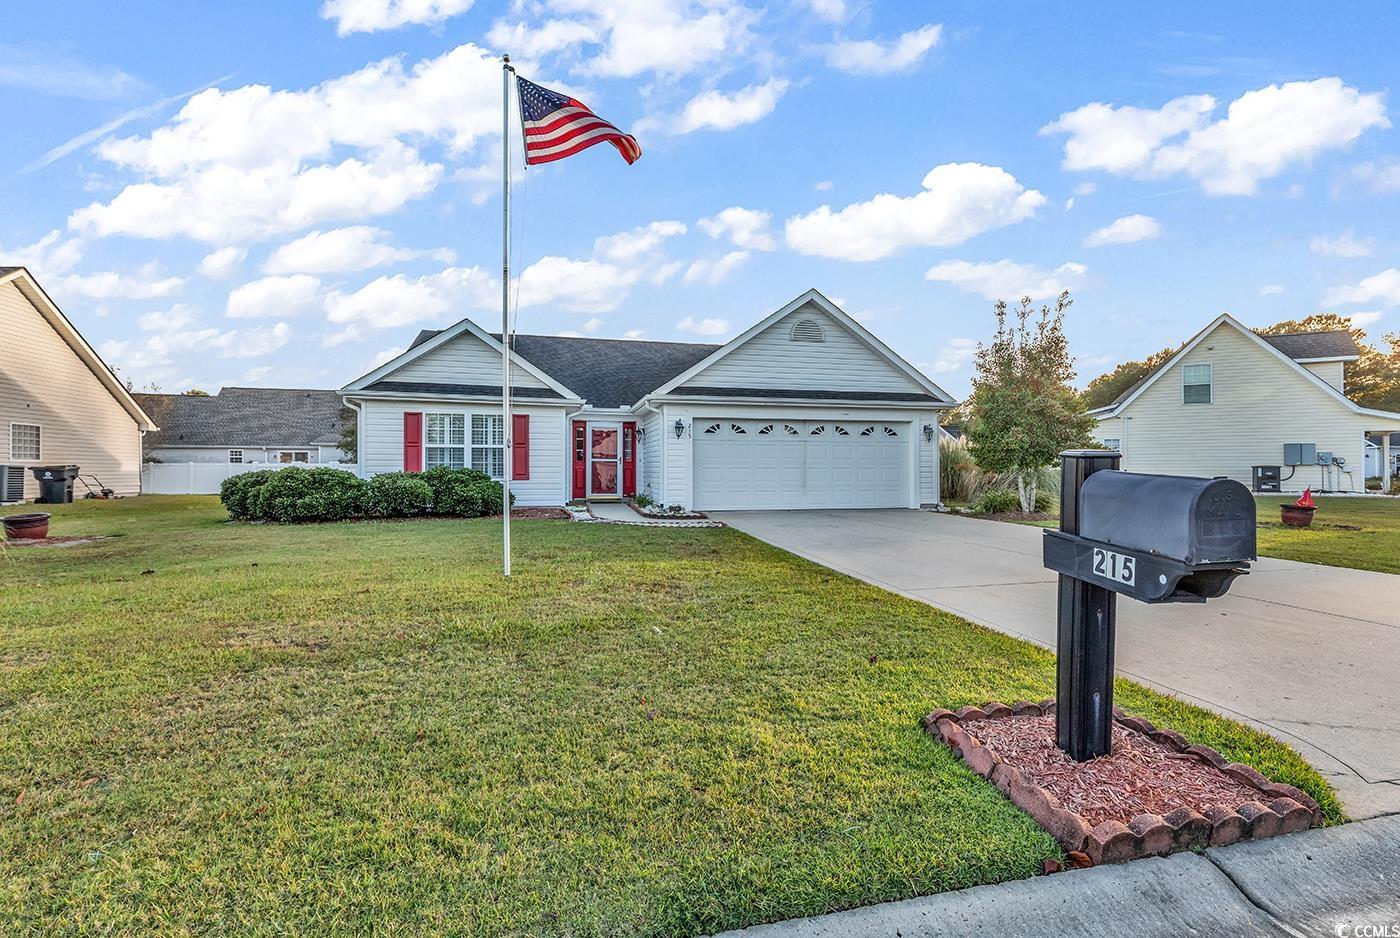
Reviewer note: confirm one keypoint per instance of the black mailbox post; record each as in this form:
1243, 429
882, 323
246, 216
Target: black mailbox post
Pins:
1153, 538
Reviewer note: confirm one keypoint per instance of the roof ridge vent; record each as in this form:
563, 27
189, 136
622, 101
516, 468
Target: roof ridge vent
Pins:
807, 330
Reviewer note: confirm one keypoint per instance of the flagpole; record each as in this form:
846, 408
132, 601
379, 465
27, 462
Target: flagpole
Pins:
508, 452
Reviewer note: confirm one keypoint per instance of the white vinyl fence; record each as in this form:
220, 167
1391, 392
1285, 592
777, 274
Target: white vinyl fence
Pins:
204, 478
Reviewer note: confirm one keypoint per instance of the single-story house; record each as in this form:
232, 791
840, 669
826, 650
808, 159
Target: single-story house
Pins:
59, 402
1376, 447
805, 409
247, 425
1231, 399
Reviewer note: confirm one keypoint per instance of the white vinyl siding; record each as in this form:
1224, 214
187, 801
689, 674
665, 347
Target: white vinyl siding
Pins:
1331, 372
464, 359
381, 443
649, 473
44, 382
1259, 403
772, 359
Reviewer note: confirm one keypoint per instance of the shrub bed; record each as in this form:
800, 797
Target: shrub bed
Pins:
325, 494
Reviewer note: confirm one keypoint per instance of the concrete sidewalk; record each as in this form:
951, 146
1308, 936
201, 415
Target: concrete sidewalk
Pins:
1324, 883
1305, 652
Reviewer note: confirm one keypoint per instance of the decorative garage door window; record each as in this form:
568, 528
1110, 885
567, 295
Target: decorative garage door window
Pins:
891, 431
818, 430
765, 430
842, 431
789, 429
868, 431
712, 428
488, 444
446, 443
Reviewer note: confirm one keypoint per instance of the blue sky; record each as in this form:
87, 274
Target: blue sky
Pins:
282, 193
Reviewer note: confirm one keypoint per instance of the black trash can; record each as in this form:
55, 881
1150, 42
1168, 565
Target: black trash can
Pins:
55, 483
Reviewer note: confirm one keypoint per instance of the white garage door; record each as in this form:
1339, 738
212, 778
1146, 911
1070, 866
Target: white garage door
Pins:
761, 464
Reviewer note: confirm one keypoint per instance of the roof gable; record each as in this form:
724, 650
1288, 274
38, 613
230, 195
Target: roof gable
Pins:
1225, 320
803, 332
49, 311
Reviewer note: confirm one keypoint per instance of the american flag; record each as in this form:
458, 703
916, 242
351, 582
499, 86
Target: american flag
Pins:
557, 126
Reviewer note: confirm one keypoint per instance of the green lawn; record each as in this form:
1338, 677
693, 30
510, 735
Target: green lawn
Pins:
1363, 533
219, 728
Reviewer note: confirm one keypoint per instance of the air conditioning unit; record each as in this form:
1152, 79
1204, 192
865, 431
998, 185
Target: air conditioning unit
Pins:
11, 484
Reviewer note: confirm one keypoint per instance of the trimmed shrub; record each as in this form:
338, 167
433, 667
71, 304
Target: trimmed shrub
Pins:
487, 496
320, 494
398, 495
996, 501
454, 492
236, 492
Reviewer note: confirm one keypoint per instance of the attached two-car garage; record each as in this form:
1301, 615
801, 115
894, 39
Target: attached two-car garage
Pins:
744, 464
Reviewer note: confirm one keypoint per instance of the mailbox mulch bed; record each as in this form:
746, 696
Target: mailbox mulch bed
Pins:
1154, 794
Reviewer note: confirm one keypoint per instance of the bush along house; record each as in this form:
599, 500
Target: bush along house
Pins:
805, 409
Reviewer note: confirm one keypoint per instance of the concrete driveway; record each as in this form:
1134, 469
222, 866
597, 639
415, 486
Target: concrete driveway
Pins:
1308, 653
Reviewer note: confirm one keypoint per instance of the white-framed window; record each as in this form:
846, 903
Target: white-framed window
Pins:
235, 455
1196, 384
25, 442
489, 444
1113, 444
444, 440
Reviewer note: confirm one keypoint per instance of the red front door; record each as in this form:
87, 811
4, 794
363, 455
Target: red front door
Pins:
603, 469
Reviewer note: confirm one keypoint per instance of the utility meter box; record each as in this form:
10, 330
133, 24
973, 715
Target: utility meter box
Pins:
1300, 454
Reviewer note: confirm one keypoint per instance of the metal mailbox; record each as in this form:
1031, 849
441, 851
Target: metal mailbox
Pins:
1157, 538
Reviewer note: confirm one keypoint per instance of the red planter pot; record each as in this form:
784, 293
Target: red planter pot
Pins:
1296, 516
31, 525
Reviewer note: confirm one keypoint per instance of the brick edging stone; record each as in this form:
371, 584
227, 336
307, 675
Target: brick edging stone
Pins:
1279, 809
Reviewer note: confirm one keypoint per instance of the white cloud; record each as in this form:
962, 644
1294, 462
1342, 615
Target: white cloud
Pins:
833, 11
1345, 244
703, 326
583, 286
1086, 188
744, 227
822, 185
170, 320
954, 356
593, 325
715, 110
531, 42
367, 16
634, 334
959, 201
252, 162
388, 302
145, 284
51, 71
628, 246
153, 356
1381, 176
712, 272
49, 256
385, 355
1263, 133
672, 37
253, 343
274, 296
1008, 280
1126, 230
1271, 289
357, 247
220, 264
867, 57
1361, 320
1383, 288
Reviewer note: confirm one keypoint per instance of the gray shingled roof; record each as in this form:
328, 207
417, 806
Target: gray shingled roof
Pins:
1334, 344
604, 372
1296, 345
7, 270
245, 417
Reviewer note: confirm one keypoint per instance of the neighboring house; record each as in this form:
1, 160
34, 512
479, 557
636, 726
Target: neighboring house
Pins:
1231, 399
806, 409
1375, 447
59, 402
246, 425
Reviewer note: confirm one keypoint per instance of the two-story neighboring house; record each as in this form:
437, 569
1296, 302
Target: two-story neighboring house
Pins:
1230, 400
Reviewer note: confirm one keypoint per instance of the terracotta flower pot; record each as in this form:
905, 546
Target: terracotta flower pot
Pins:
28, 526
1296, 516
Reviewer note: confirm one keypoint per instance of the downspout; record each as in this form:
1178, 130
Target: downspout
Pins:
661, 446
359, 434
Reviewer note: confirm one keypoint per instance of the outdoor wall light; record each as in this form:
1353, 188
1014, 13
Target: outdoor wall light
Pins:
928, 433
680, 428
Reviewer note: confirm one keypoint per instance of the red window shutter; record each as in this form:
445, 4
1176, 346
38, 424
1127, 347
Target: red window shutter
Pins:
520, 446
412, 442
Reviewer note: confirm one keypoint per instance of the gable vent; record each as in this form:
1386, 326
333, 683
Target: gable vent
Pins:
807, 330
